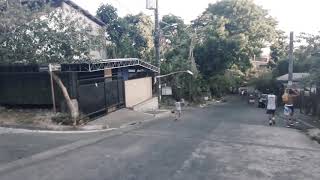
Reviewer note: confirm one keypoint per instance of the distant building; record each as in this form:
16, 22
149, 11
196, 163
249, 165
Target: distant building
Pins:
261, 62
297, 79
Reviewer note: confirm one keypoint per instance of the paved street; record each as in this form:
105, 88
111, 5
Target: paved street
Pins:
223, 141
14, 146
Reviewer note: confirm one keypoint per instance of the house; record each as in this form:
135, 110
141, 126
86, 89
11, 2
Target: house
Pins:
68, 7
261, 62
99, 87
297, 79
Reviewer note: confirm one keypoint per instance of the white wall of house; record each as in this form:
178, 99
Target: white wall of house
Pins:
138, 91
96, 28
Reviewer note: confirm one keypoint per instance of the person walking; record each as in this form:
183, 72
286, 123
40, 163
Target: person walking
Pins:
177, 110
288, 98
271, 108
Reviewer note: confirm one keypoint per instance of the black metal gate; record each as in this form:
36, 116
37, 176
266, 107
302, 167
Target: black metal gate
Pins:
97, 95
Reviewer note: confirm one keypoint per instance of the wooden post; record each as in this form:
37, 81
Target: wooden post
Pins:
52, 90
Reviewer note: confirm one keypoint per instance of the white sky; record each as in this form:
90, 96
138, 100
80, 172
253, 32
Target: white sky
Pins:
293, 15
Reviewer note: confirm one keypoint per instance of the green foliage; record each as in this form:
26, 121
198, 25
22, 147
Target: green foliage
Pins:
109, 15
231, 32
130, 36
45, 35
221, 84
176, 44
309, 55
306, 58
279, 48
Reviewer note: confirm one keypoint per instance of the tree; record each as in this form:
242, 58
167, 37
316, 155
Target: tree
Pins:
131, 36
231, 32
114, 25
308, 56
176, 45
280, 47
43, 35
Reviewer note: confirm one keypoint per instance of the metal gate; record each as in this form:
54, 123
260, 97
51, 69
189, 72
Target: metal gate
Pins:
97, 95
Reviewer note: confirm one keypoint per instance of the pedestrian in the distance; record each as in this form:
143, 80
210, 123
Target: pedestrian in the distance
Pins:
177, 110
271, 107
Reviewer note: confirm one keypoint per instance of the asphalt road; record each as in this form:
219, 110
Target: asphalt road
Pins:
14, 146
224, 141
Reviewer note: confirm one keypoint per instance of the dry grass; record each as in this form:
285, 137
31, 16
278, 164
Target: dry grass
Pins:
25, 116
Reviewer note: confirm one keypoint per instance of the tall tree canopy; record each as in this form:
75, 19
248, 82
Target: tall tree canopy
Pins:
45, 35
232, 32
130, 36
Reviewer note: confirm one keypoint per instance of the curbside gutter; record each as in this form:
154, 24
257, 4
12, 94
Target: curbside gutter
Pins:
77, 130
314, 134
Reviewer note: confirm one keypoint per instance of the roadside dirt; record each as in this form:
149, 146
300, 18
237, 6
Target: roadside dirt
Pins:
26, 117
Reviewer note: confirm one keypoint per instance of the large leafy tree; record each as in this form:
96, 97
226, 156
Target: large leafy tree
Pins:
232, 32
175, 44
45, 35
308, 56
109, 15
130, 36
37, 34
279, 48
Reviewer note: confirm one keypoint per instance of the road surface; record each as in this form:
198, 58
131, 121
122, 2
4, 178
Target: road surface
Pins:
230, 140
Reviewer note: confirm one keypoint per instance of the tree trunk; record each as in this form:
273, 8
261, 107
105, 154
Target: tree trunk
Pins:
71, 103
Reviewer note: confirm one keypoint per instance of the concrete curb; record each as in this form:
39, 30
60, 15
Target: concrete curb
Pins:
55, 127
314, 134
155, 117
18, 130
80, 129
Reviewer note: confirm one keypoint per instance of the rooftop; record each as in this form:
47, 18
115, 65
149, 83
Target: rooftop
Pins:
80, 67
295, 77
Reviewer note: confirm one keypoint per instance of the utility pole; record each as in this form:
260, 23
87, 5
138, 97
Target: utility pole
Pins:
290, 68
154, 5
157, 47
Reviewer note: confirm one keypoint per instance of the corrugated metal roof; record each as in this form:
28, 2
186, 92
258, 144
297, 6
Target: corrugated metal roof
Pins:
81, 67
295, 77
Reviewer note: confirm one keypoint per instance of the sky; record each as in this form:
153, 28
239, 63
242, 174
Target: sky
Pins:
292, 15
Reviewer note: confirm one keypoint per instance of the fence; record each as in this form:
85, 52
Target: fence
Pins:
308, 102
97, 96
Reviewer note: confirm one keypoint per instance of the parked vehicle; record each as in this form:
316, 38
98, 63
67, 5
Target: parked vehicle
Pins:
251, 99
262, 101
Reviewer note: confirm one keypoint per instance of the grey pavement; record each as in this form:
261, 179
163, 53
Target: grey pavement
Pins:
230, 140
14, 146
122, 117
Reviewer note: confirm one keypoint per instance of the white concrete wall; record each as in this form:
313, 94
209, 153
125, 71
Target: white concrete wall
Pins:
96, 28
149, 105
138, 91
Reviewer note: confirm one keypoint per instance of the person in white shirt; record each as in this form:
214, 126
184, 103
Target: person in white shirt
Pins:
271, 108
178, 110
